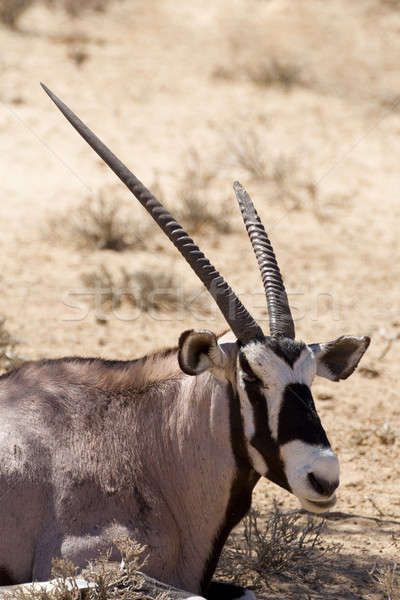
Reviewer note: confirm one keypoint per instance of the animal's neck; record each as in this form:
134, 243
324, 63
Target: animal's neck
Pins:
211, 464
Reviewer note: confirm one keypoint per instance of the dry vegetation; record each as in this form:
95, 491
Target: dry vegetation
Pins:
279, 543
107, 580
12, 10
147, 291
9, 359
101, 222
275, 71
308, 92
198, 214
388, 580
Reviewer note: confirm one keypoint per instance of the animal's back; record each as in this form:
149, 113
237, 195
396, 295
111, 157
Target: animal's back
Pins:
68, 469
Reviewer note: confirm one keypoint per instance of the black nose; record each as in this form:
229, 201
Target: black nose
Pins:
322, 486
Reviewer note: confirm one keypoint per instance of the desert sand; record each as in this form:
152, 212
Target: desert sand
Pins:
300, 101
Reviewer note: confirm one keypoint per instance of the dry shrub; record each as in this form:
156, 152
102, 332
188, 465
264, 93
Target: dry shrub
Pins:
123, 581
386, 434
391, 3
198, 214
199, 211
74, 8
247, 151
152, 290
8, 358
12, 10
388, 580
100, 223
278, 544
64, 585
146, 290
107, 580
275, 71
78, 55
292, 186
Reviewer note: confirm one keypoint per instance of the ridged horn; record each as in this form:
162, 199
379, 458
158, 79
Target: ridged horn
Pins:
280, 318
240, 321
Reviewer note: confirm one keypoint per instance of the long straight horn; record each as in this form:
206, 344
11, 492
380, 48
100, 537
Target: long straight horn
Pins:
280, 318
239, 320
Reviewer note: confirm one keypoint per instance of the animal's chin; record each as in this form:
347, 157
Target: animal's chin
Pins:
318, 506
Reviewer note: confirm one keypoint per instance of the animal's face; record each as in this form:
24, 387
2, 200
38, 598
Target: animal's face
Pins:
285, 439
272, 377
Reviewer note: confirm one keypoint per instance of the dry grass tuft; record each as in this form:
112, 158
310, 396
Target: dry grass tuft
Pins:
8, 358
107, 580
12, 10
145, 290
278, 544
391, 3
247, 151
74, 8
386, 434
275, 71
78, 55
155, 290
293, 187
388, 580
100, 223
198, 214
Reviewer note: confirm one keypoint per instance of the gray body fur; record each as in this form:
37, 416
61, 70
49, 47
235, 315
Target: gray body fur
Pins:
90, 453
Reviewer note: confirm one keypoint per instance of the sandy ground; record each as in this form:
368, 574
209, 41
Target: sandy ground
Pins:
161, 80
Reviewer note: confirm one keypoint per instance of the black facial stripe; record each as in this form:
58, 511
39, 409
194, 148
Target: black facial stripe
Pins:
246, 368
241, 487
287, 349
238, 441
298, 419
262, 439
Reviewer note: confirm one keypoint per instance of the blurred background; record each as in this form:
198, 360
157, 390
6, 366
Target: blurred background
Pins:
300, 101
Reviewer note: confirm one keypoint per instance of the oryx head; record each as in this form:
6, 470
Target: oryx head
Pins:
273, 375
270, 374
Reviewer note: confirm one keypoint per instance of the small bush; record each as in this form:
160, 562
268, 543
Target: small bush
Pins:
12, 10
388, 580
248, 154
8, 358
152, 290
74, 8
100, 224
78, 55
276, 72
198, 215
278, 544
155, 290
107, 580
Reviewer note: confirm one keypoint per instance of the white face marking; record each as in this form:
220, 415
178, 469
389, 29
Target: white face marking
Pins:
299, 458
249, 424
276, 374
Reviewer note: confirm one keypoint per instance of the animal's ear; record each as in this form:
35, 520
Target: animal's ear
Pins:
199, 351
338, 359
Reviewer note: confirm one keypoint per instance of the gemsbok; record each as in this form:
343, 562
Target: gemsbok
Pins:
167, 448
